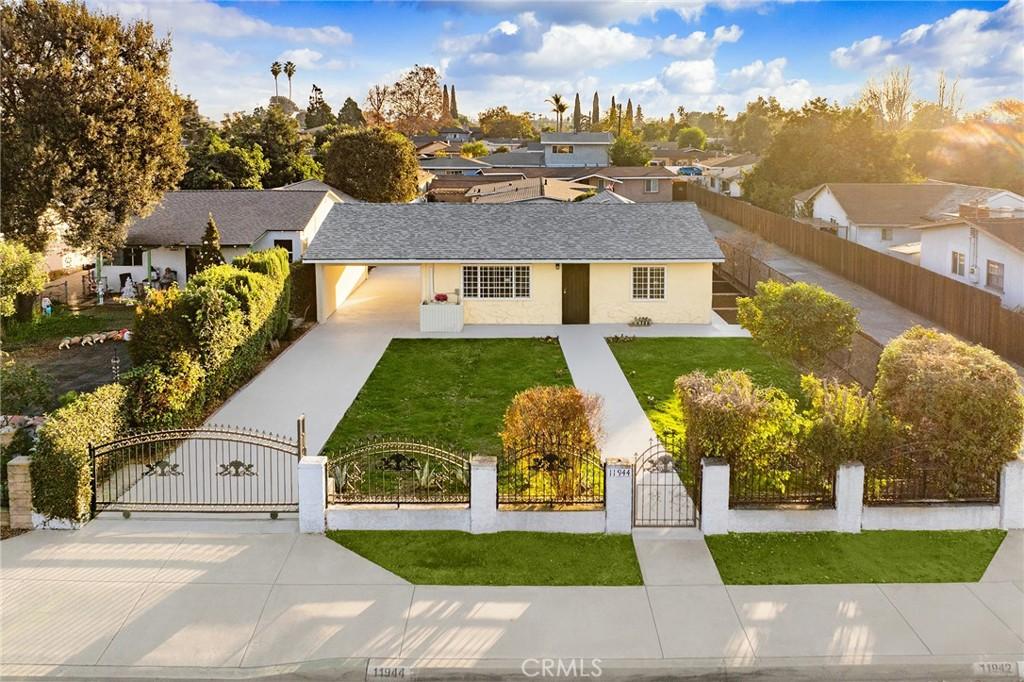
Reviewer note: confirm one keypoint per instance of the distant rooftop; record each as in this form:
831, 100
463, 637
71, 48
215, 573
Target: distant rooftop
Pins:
576, 138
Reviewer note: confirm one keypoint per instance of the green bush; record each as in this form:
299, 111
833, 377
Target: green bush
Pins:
25, 389
844, 424
274, 264
960, 403
61, 470
303, 285
799, 321
161, 327
166, 396
219, 325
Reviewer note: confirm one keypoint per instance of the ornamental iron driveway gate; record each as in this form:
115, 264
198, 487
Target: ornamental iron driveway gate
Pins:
205, 469
666, 486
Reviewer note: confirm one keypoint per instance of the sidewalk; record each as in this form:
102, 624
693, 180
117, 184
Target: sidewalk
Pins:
234, 598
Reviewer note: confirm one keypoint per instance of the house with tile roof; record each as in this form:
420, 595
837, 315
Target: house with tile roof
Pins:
725, 173
531, 190
640, 184
880, 215
248, 220
564, 263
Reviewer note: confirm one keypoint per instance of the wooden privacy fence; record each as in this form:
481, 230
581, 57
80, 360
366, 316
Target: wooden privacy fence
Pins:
968, 311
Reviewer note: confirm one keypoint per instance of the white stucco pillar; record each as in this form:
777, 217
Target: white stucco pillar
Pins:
618, 496
483, 494
849, 497
1011, 495
714, 496
312, 494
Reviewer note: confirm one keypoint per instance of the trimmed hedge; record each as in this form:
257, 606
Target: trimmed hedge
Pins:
166, 396
274, 264
161, 327
303, 303
61, 470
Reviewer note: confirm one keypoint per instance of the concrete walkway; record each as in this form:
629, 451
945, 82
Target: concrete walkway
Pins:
138, 597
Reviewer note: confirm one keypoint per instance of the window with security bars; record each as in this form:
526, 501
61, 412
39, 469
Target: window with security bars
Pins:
496, 281
649, 282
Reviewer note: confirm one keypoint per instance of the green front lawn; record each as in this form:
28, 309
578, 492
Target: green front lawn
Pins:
652, 365
889, 556
454, 391
65, 322
454, 558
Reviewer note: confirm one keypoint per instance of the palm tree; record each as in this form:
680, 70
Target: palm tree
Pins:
289, 70
275, 71
558, 106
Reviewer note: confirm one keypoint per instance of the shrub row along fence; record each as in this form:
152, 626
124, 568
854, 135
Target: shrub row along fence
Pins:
965, 310
785, 483
907, 479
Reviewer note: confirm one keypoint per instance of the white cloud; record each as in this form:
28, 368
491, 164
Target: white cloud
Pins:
759, 73
690, 76
698, 43
861, 52
304, 58
587, 47
208, 18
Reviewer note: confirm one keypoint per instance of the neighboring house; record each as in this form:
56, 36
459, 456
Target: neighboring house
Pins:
312, 185
607, 197
514, 159
532, 190
641, 184
567, 263
453, 165
881, 215
59, 256
670, 154
453, 188
437, 148
455, 134
576, 149
493, 144
724, 174
248, 220
981, 251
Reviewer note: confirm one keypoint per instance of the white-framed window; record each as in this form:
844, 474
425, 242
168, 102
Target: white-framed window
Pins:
648, 282
886, 234
995, 274
651, 186
562, 149
496, 281
956, 265
129, 255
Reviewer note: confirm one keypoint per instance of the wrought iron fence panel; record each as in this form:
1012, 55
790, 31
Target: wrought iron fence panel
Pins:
398, 471
909, 477
666, 485
790, 481
208, 468
550, 473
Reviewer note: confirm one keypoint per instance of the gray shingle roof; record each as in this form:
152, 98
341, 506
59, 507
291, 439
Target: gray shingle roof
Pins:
241, 215
517, 158
375, 233
450, 162
576, 138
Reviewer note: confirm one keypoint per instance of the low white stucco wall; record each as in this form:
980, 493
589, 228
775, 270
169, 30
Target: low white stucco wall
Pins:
781, 520
931, 517
393, 517
551, 521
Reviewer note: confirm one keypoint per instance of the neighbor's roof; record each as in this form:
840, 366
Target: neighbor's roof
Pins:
625, 172
607, 197
731, 161
564, 232
525, 190
313, 185
1009, 230
899, 203
241, 216
516, 158
575, 138
452, 162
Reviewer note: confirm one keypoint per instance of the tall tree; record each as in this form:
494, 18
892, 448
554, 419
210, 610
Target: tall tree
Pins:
629, 150
413, 102
284, 146
627, 120
577, 115
275, 71
755, 126
638, 121
318, 112
89, 125
377, 99
454, 105
446, 107
500, 122
595, 112
22, 274
289, 70
350, 114
559, 107
209, 254
215, 164
373, 164
889, 100
691, 137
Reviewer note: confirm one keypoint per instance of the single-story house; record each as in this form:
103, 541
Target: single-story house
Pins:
452, 165
881, 215
641, 184
312, 185
248, 220
456, 134
724, 174
566, 263
532, 190
607, 197
981, 251
671, 154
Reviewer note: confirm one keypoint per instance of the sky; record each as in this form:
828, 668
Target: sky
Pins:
693, 53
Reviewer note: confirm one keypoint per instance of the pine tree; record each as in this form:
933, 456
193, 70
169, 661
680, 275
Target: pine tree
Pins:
595, 113
577, 115
446, 107
627, 120
454, 105
638, 120
209, 253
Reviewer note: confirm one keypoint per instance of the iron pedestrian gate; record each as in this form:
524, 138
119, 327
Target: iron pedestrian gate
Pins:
205, 469
666, 487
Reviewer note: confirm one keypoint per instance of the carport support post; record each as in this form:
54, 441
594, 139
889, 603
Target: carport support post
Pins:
714, 496
618, 496
483, 494
312, 494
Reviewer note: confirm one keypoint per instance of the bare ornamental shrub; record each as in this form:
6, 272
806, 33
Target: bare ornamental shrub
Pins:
553, 414
844, 424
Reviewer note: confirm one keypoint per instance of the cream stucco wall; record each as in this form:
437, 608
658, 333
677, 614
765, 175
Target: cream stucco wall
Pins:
687, 294
334, 284
543, 307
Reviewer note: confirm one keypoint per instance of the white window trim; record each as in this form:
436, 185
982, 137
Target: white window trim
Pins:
657, 185
988, 264
961, 263
632, 292
555, 148
462, 282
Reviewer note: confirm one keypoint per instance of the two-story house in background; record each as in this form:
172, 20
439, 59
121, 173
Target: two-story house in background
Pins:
576, 149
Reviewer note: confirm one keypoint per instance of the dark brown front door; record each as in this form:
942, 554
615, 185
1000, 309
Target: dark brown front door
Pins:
576, 294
